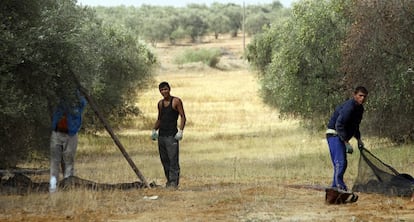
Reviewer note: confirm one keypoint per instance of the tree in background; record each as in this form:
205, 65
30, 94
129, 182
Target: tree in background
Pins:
256, 22
298, 61
261, 16
379, 53
218, 23
327, 48
44, 45
235, 14
194, 22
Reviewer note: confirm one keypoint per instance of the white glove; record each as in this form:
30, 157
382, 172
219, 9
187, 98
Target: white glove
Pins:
179, 135
154, 134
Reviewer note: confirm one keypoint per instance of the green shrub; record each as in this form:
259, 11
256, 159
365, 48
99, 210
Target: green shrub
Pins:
210, 57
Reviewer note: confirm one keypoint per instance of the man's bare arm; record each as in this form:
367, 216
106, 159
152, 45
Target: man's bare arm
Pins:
180, 108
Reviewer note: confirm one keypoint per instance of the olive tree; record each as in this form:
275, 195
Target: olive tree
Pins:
378, 53
302, 76
46, 44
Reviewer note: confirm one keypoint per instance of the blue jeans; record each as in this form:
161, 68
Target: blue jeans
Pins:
168, 147
338, 156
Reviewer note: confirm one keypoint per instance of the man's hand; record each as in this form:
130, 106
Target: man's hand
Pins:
154, 134
179, 135
360, 144
349, 148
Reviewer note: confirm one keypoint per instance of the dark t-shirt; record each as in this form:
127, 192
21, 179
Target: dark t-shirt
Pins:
168, 120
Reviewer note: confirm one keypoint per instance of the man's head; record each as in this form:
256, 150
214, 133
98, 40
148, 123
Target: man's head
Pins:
164, 88
164, 84
360, 94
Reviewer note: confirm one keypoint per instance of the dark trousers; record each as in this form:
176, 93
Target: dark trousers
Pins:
168, 148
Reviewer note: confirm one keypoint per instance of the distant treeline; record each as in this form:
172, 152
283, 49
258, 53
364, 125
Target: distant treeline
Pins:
166, 23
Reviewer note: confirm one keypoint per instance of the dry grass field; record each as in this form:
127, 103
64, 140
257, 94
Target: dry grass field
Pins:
239, 160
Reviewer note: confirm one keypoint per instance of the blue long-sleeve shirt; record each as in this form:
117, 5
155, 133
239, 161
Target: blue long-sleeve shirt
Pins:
346, 119
73, 115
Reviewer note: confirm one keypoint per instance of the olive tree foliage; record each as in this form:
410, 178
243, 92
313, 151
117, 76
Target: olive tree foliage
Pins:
159, 23
379, 53
235, 14
218, 22
46, 45
155, 23
117, 15
193, 21
258, 17
262, 47
156, 28
125, 68
298, 61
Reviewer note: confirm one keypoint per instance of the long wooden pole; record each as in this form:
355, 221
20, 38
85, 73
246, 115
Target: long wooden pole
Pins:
110, 131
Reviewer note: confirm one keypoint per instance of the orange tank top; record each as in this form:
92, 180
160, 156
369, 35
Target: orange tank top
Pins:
63, 123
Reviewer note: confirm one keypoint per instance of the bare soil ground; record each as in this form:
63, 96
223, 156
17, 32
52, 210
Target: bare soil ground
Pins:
204, 199
216, 201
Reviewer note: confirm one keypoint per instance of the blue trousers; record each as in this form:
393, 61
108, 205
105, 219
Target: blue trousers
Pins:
338, 156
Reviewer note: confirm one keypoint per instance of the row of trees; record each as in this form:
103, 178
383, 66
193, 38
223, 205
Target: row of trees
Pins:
311, 62
161, 23
45, 45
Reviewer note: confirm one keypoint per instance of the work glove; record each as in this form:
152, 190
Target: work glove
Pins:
349, 148
154, 134
179, 135
360, 144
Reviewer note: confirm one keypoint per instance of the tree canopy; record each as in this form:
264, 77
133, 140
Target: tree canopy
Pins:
313, 60
45, 44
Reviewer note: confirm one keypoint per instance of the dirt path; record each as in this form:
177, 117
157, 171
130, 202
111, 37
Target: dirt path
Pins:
225, 202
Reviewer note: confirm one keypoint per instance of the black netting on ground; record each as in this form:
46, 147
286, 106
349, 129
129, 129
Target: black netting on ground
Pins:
374, 176
22, 184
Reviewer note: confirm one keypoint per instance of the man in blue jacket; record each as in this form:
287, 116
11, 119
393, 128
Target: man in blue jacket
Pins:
342, 126
66, 122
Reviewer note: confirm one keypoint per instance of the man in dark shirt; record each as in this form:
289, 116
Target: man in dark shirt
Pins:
169, 108
342, 126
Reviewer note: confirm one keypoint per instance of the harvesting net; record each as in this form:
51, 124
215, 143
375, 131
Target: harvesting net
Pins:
19, 183
374, 176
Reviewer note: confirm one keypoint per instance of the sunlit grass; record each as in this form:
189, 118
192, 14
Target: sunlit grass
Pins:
230, 135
